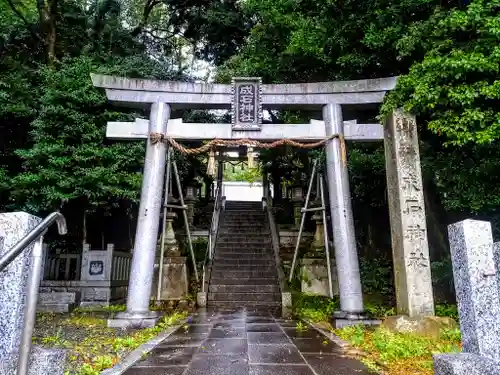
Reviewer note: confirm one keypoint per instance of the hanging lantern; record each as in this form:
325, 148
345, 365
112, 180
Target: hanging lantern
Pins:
211, 164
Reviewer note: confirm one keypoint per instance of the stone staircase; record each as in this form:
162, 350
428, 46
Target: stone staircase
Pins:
244, 270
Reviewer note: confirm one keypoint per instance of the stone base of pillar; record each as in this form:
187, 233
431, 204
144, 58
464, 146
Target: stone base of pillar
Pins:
129, 320
342, 319
174, 283
314, 276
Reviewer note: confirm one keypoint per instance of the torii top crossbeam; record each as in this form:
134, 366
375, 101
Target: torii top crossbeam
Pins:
181, 95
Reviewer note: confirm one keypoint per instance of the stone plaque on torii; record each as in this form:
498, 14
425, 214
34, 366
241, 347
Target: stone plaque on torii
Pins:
246, 98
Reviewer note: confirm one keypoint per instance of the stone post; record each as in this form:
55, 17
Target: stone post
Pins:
346, 255
410, 249
13, 288
14, 281
141, 273
265, 185
477, 289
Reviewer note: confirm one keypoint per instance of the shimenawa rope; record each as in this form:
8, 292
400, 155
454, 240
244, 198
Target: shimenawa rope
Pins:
158, 137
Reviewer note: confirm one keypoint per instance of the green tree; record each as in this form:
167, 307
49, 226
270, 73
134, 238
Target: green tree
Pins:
456, 86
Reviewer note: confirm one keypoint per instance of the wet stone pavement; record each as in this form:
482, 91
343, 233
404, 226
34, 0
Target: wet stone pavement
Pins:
244, 343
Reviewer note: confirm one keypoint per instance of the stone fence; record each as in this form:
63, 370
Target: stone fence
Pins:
99, 276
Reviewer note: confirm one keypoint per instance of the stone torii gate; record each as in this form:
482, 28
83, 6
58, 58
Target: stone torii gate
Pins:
247, 97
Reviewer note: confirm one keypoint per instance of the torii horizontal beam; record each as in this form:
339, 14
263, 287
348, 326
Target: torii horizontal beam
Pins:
178, 129
179, 95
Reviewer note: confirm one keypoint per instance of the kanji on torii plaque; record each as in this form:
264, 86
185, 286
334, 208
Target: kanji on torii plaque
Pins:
246, 107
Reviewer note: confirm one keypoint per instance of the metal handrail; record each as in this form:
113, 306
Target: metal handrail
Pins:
273, 228
212, 234
33, 280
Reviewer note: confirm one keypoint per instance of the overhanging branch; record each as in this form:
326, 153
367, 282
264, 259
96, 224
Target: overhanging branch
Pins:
28, 25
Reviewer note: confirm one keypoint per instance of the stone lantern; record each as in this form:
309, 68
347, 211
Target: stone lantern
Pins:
318, 243
314, 266
191, 197
171, 244
297, 200
174, 280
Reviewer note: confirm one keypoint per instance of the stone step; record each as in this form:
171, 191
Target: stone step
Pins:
250, 242
243, 288
56, 307
244, 297
238, 252
243, 256
229, 233
259, 221
235, 274
239, 207
244, 250
58, 297
238, 262
243, 215
249, 305
239, 239
238, 231
265, 267
244, 230
246, 207
228, 244
272, 280
244, 225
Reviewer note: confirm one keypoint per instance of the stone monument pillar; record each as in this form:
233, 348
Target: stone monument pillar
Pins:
410, 249
174, 281
346, 255
141, 272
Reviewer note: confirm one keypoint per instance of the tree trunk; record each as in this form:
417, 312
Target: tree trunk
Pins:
46, 14
84, 228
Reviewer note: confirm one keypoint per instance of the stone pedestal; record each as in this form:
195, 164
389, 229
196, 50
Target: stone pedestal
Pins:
314, 277
174, 283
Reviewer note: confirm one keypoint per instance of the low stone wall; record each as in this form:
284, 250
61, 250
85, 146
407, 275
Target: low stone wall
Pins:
101, 277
